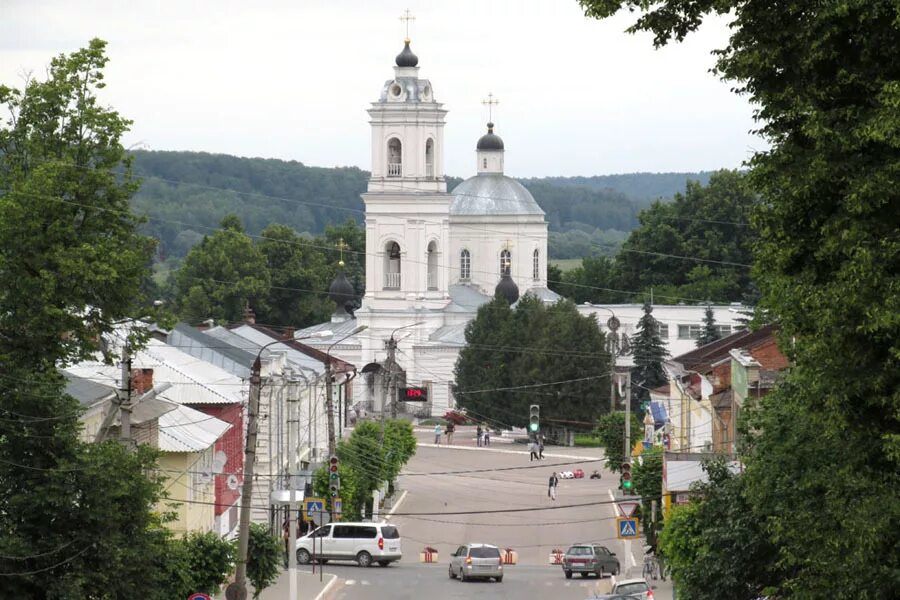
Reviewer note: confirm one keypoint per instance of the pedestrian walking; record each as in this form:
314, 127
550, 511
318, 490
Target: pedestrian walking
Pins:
437, 434
541, 445
451, 427
551, 490
478, 436
487, 436
533, 448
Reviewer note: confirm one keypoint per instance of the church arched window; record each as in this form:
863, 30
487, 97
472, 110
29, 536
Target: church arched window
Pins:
465, 265
429, 158
536, 265
392, 266
505, 262
432, 274
394, 158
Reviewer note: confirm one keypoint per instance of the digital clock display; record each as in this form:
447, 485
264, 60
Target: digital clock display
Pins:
413, 394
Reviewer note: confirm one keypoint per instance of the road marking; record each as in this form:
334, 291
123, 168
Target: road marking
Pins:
364, 582
350, 582
321, 595
397, 505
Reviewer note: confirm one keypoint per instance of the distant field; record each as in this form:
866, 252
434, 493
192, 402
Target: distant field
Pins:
566, 264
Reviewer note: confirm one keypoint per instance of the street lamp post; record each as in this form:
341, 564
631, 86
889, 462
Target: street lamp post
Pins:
391, 361
238, 589
613, 324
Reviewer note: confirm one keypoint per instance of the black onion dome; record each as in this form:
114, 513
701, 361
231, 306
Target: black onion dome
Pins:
490, 140
406, 58
341, 292
507, 289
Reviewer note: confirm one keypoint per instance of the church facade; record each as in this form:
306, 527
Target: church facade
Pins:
433, 257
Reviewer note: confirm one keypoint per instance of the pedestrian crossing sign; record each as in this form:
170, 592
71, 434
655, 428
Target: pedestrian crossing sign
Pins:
628, 528
313, 508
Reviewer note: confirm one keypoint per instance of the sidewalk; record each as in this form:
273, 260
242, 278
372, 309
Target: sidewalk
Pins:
308, 587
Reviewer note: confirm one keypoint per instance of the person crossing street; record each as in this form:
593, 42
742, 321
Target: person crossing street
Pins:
551, 489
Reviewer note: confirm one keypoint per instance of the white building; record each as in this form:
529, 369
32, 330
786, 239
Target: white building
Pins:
433, 257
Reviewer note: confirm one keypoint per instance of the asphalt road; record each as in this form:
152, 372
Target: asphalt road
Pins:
504, 505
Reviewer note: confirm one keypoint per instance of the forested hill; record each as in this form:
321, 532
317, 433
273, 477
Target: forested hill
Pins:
186, 194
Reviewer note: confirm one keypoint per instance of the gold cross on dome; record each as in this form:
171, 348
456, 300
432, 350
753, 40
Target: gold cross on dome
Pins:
407, 16
491, 102
341, 245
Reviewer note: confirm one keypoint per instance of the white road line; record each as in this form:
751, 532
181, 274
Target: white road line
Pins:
350, 582
327, 587
397, 505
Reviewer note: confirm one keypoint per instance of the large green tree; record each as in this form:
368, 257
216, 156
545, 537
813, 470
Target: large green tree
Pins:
533, 354
824, 77
649, 352
76, 520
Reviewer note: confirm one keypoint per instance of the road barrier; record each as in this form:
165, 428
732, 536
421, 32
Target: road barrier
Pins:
556, 556
509, 556
428, 555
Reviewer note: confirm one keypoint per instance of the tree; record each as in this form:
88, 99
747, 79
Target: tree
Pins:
716, 546
824, 80
649, 352
710, 332
552, 347
222, 276
76, 520
210, 560
297, 266
648, 485
611, 431
263, 558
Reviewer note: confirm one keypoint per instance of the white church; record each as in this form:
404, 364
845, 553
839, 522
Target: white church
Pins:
432, 257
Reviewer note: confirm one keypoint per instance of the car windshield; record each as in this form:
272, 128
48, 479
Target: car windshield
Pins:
484, 552
632, 588
580, 551
390, 533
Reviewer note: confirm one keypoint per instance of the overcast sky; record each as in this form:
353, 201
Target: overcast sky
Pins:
292, 79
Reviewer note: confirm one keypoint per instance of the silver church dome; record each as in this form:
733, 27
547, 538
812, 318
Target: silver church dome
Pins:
493, 194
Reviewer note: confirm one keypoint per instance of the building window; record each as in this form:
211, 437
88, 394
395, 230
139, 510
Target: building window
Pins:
723, 330
392, 266
484, 163
432, 273
689, 332
465, 264
505, 262
663, 330
536, 265
394, 158
429, 158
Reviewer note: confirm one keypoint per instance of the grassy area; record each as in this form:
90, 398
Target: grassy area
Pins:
566, 264
432, 422
586, 440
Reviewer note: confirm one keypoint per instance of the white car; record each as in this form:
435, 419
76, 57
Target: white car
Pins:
638, 589
363, 543
566, 475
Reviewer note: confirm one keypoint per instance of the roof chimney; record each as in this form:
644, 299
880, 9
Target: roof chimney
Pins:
141, 381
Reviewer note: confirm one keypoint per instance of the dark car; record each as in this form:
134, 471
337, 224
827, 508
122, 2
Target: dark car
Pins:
590, 558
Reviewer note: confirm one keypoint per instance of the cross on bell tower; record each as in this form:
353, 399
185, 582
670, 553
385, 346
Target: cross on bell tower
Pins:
407, 17
491, 102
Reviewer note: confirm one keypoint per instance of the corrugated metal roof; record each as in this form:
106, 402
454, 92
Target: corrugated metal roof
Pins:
492, 194
87, 392
184, 429
450, 335
223, 353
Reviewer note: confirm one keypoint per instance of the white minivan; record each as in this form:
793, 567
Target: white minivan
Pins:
363, 543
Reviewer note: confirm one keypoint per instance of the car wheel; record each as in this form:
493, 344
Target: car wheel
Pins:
450, 572
499, 579
584, 575
384, 563
303, 556
568, 574
600, 573
364, 559
462, 575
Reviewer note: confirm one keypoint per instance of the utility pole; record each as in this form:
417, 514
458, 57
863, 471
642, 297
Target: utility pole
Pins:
392, 389
238, 589
613, 324
125, 398
627, 416
329, 405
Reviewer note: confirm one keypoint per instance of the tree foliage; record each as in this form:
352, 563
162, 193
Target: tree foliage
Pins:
649, 352
210, 560
824, 79
264, 556
611, 431
647, 474
709, 333
716, 546
533, 344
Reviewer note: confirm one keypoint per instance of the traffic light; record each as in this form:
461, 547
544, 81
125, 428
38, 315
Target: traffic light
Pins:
334, 480
534, 418
627, 482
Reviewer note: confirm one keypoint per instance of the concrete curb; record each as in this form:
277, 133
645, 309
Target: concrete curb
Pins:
327, 587
521, 452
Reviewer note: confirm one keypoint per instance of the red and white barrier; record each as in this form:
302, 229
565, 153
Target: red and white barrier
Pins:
556, 556
509, 556
428, 555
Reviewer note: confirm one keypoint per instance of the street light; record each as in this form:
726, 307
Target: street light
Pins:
238, 589
392, 393
613, 324
329, 403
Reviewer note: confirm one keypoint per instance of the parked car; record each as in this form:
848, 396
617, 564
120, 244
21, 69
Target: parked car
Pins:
590, 558
566, 475
363, 543
638, 589
476, 561
578, 473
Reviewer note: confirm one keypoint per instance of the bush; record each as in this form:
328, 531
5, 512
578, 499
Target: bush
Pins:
584, 440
